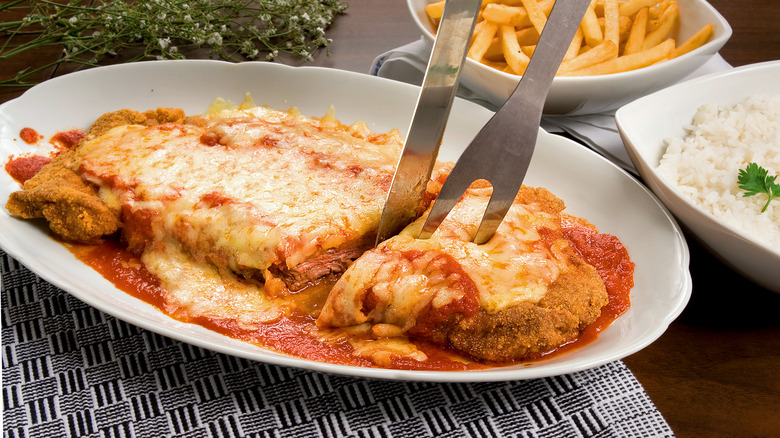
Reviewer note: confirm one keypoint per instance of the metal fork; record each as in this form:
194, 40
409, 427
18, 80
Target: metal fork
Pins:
502, 150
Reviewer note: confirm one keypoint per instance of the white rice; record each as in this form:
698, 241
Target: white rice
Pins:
721, 140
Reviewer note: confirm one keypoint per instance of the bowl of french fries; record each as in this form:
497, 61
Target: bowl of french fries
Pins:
623, 49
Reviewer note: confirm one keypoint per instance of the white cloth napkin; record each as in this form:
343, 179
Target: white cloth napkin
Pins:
597, 131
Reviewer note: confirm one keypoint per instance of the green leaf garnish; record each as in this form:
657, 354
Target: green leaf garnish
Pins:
754, 179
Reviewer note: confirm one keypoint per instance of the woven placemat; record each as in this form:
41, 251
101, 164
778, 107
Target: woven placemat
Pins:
70, 370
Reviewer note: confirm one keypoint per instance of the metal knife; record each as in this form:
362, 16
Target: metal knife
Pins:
430, 116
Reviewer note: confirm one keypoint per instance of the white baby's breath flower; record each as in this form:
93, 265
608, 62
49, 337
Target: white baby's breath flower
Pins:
215, 39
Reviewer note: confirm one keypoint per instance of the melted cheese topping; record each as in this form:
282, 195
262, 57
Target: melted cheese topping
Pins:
251, 188
247, 188
515, 266
512, 266
199, 290
402, 287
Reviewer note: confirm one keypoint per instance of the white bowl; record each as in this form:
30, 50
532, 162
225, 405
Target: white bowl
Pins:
597, 94
647, 122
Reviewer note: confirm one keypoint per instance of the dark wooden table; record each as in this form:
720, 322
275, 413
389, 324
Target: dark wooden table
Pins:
716, 371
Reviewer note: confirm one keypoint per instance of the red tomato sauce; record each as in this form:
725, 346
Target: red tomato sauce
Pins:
611, 260
288, 335
29, 135
291, 334
67, 139
467, 305
25, 167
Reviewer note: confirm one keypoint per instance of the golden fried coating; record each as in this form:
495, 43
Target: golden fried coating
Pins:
529, 329
524, 293
130, 117
71, 205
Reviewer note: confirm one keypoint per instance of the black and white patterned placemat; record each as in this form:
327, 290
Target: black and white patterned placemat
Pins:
70, 370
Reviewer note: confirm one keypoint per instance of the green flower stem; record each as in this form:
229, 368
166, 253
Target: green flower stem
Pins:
234, 30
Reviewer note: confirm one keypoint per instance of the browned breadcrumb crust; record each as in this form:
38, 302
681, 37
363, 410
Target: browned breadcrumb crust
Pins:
572, 302
71, 205
529, 329
130, 117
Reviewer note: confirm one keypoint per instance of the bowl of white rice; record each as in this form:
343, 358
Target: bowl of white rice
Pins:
690, 143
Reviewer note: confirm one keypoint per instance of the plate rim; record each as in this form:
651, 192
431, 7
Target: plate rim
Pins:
684, 285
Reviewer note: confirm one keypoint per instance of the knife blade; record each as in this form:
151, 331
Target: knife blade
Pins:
430, 116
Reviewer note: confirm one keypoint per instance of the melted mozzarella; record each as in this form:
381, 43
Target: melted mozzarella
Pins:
198, 290
511, 267
515, 266
273, 186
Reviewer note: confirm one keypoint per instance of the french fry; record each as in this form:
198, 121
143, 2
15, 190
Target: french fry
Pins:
482, 40
598, 8
434, 10
477, 27
602, 52
614, 35
612, 21
535, 14
591, 30
515, 58
697, 40
667, 22
636, 37
624, 25
628, 62
506, 2
527, 36
502, 14
631, 7
655, 14
574, 46
494, 52
498, 65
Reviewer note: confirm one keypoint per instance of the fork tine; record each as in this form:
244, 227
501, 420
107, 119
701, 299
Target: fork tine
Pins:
449, 195
499, 203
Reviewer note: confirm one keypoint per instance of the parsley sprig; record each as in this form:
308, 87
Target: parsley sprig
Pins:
91, 30
754, 179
